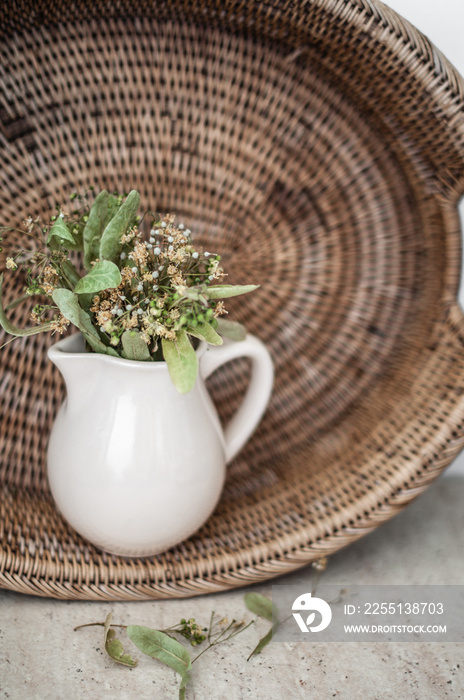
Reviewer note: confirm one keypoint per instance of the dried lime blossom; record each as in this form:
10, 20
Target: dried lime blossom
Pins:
142, 297
10, 264
60, 324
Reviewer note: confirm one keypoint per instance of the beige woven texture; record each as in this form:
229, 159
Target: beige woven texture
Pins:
318, 146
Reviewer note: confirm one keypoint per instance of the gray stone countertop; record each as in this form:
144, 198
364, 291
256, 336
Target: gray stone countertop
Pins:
41, 656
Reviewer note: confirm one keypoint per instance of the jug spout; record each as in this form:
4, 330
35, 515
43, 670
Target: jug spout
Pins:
77, 366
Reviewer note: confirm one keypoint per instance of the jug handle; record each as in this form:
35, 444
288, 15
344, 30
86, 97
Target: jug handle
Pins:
255, 401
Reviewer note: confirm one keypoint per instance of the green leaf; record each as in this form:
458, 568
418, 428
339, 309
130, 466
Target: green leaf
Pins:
135, 348
265, 608
97, 345
225, 291
103, 275
86, 301
113, 206
113, 646
17, 302
231, 329
192, 293
69, 273
182, 361
110, 244
60, 232
205, 332
68, 304
19, 332
160, 646
263, 642
98, 218
260, 605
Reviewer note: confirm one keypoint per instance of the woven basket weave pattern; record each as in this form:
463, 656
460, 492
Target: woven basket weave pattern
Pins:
319, 148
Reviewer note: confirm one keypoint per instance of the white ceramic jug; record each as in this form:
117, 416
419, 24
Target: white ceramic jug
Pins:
133, 465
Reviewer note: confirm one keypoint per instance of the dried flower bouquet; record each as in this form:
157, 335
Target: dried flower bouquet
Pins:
140, 297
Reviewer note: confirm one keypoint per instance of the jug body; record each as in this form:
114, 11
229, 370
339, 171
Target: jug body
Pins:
133, 465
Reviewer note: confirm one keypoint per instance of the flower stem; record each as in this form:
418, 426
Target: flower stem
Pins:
218, 639
99, 624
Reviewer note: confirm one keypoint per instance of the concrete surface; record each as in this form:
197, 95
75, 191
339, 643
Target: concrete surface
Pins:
42, 657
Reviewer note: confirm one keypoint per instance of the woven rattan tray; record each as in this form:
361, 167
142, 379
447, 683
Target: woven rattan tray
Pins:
319, 146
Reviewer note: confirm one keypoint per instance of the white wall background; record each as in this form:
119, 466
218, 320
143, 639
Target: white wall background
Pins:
442, 21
